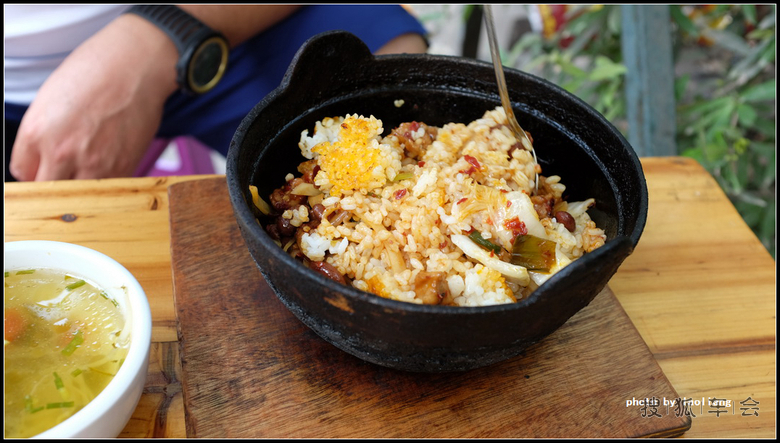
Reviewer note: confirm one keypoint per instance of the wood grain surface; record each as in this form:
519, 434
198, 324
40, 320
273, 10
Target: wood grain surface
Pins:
699, 287
126, 219
252, 370
701, 290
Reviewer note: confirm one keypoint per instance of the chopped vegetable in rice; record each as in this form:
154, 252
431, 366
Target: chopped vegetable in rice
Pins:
425, 214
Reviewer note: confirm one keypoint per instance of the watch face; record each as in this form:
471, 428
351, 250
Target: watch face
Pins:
208, 65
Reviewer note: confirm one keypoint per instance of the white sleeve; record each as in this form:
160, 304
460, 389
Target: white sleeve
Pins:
37, 39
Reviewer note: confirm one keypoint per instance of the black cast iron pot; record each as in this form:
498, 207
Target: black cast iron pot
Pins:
335, 74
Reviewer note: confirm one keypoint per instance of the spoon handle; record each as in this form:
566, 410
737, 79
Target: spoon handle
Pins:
502, 89
496, 57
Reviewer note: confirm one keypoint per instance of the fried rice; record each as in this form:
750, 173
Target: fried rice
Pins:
434, 215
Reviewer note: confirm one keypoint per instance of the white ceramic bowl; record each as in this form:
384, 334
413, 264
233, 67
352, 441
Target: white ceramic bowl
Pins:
109, 412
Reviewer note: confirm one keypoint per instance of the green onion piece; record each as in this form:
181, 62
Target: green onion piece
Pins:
28, 405
76, 372
533, 253
28, 271
7, 274
61, 387
58, 381
75, 285
77, 340
62, 404
103, 293
403, 176
477, 238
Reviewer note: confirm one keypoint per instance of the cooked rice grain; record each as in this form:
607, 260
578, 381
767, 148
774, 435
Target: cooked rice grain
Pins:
403, 209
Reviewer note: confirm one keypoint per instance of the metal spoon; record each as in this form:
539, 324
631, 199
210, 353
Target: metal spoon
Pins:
519, 133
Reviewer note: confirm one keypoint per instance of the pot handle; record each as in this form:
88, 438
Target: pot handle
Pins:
330, 57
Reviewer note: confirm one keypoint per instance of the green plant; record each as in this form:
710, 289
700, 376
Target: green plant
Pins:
725, 120
584, 57
730, 127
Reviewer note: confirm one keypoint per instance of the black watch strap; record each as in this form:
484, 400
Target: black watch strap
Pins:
180, 26
184, 30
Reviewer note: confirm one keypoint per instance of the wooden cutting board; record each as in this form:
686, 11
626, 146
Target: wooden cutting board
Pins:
250, 369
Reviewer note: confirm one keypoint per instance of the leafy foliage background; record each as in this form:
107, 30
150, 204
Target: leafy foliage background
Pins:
724, 58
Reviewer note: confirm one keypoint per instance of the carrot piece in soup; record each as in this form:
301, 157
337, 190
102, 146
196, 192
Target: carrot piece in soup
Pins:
15, 324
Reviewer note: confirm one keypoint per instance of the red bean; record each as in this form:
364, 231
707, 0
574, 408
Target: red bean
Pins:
286, 229
566, 220
328, 270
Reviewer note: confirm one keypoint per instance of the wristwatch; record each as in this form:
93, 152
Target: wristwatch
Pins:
203, 52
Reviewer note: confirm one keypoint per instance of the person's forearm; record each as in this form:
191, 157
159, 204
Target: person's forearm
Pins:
151, 45
239, 22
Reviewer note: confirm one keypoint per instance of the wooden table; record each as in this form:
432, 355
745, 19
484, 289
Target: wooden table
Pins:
700, 287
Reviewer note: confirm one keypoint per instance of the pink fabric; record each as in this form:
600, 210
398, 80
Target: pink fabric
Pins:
194, 158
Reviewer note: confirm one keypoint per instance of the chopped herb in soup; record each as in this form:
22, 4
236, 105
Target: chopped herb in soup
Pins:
65, 339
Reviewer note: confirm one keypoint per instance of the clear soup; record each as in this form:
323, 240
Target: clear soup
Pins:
65, 339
